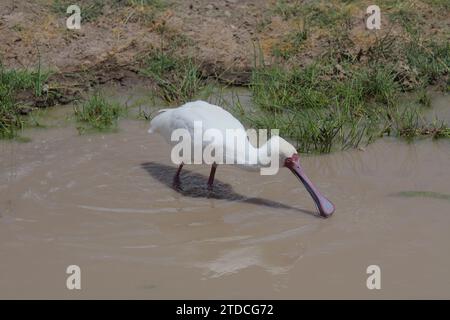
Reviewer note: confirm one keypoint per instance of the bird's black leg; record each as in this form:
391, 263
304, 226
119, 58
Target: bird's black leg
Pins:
211, 176
176, 178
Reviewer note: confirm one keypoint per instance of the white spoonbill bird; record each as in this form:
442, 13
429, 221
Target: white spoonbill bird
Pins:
245, 154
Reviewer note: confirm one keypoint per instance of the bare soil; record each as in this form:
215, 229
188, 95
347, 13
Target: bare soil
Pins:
225, 36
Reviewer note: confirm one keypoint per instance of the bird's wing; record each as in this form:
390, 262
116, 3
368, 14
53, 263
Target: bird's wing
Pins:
184, 117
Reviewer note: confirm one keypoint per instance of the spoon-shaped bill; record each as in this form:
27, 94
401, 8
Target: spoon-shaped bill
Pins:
326, 208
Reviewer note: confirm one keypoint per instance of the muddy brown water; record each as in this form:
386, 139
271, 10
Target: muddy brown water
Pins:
104, 202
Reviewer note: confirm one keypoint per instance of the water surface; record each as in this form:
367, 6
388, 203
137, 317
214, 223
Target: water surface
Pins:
106, 204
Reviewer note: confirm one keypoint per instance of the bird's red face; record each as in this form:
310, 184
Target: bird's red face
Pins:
326, 208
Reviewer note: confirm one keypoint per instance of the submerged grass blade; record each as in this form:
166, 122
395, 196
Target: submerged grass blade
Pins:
424, 194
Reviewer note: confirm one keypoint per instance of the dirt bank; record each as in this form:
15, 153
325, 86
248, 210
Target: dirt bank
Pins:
223, 35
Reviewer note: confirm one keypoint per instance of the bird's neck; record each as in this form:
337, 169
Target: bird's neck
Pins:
262, 156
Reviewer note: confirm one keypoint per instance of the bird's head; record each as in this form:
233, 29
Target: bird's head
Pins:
285, 149
290, 159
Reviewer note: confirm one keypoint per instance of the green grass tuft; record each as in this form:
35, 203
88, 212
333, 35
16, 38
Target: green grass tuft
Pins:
11, 83
90, 10
327, 106
178, 79
430, 59
98, 114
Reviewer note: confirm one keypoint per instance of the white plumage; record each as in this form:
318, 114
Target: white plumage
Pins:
215, 117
